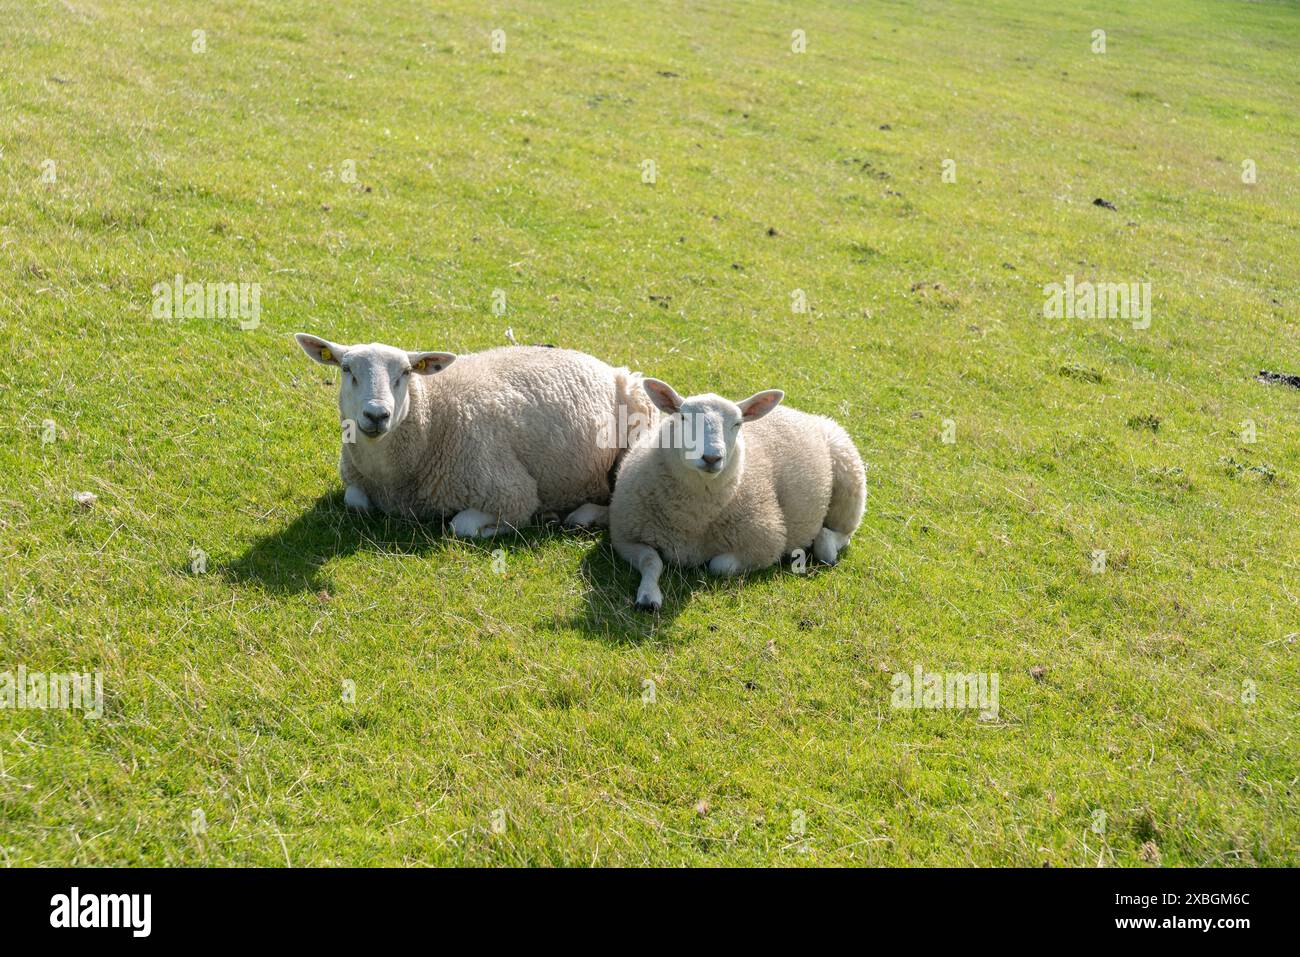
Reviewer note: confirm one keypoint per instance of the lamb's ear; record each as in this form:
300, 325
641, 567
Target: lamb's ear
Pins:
760, 404
427, 363
322, 350
663, 395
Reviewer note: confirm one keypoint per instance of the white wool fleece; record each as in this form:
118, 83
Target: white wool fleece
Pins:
746, 484
491, 438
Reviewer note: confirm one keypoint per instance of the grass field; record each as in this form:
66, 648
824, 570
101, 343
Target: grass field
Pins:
1148, 698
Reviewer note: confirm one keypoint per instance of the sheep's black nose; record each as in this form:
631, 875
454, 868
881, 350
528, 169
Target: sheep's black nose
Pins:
376, 417
710, 459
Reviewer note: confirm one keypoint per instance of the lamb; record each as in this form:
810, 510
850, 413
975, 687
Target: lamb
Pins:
491, 438
734, 485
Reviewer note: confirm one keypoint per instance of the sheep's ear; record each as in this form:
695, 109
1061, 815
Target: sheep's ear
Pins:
322, 350
760, 404
663, 395
427, 363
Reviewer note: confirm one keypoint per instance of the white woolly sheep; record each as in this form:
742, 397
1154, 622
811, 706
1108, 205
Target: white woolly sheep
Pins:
492, 439
735, 486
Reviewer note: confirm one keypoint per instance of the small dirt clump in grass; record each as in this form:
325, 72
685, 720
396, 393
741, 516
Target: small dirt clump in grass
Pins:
1082, 373
1262, 472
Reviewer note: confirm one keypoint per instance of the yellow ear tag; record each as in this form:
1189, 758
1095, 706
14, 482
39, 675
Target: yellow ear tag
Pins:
419, 366
326, 355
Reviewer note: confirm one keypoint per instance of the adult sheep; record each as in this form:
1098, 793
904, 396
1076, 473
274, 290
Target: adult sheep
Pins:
491, 438
734, 486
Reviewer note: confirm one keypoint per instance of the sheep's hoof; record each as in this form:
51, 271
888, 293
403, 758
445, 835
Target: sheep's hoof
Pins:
355, 498
648, 603
725, 564
471, 523
588, 515
828, 544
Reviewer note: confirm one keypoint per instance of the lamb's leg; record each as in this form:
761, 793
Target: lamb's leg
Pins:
828, 544
471, 523
725, 564
355, 497
589, 515
647, 561
848, 497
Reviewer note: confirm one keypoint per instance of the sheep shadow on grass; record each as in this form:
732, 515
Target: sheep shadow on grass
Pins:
290, 559
609, 612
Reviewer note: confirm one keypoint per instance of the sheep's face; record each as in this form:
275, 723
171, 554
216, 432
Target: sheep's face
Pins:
375, 381
706, 430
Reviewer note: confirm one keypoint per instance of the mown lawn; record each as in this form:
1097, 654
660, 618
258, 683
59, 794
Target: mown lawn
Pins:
1147, 709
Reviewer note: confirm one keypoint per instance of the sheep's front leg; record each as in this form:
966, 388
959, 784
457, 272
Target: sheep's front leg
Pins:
725, 564
647, 561
355, 497
587, 516
828, 544
471, 523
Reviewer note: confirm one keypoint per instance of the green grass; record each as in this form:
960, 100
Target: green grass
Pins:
522, 691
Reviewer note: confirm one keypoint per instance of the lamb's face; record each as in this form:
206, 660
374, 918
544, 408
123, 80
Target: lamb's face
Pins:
710, 428
705, 430
375, 381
